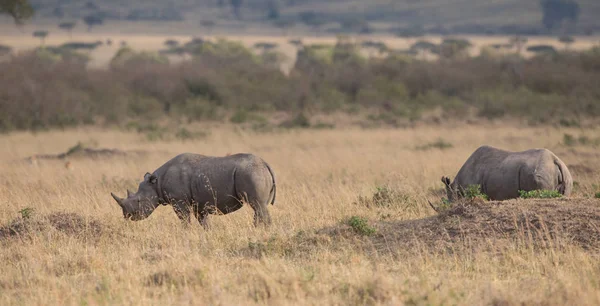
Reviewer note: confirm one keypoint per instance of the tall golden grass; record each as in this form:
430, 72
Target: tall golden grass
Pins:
320, 174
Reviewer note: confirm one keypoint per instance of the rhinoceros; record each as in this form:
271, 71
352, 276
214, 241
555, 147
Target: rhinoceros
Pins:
203, 185
502, 174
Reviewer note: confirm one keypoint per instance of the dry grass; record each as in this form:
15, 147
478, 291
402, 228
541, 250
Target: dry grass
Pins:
75, 248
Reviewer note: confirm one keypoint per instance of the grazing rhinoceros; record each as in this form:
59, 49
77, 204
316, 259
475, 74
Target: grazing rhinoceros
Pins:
204, 185
502, 174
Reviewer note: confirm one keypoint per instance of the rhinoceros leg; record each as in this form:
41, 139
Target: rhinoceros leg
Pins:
183, 211
202, 216
261, 213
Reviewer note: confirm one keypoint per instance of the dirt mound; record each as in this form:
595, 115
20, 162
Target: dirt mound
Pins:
68, 223
479, 224
80, 151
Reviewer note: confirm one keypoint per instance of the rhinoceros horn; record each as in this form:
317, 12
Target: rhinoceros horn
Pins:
119, 200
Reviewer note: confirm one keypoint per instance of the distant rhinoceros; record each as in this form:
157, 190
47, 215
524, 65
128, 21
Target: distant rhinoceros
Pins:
203, 185
502, 174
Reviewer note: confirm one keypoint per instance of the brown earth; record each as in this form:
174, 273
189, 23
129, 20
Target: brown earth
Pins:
68, 223
473, 225
544, 223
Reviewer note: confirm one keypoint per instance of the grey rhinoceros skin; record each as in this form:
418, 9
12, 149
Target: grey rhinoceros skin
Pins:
203, 185
502, 174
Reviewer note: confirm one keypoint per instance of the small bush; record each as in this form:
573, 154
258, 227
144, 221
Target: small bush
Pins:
569, 140
384, 196
299, 121
474, 191
361, 226
26, 212
539, 194
184, 134
597, 195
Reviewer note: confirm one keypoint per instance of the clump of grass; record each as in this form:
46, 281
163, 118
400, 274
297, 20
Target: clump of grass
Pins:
361, 226
185, 134
539, 194
597, 195
384, 196
26, 212
439, 144
474, 191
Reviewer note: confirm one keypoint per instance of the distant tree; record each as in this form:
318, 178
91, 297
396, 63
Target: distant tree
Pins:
556, 11
19, 10
41, 35
296, 43
374, 46
542, 49
453, 48
67, 26
208, 25
5, 50
265, 46
236, 5
518, 42
273, 12
171, 43
93, 20
566, 40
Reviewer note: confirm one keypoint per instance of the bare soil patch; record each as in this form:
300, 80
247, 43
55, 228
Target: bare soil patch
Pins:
68, 223
474, 225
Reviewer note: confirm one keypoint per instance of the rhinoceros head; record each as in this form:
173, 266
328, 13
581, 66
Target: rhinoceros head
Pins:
138, 206
452, 190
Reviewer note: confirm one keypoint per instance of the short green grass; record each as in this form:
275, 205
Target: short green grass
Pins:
474, 191
361, 226
539, 194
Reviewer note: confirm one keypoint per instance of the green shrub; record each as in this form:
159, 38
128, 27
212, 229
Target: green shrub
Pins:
361, 226
239, 116
26, 212
569, 140
474, 191
597, 195
539, 194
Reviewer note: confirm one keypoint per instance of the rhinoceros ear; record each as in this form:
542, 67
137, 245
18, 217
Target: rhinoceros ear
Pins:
446, 181
150, 178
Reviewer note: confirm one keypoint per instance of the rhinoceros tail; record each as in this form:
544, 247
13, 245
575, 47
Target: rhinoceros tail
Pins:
565, 180
274, 189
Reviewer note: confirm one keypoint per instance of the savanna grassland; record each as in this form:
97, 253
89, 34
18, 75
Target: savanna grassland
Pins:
64, 241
